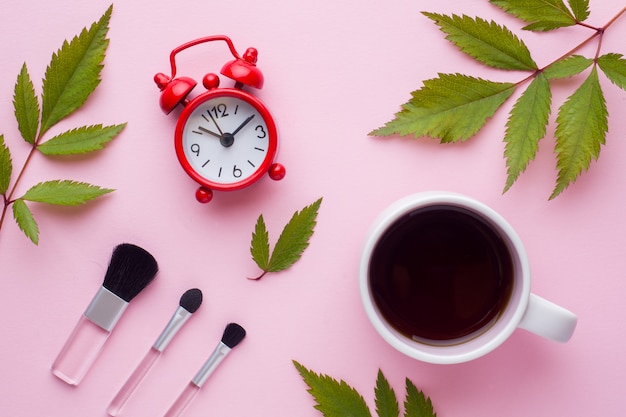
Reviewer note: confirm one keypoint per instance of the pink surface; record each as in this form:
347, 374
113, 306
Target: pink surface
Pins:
333, 72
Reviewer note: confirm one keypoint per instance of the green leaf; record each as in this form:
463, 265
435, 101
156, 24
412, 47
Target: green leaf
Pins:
333, 398
543, 15
567, 67
25, 220
26, 106
74, 72
614, 67
582, 124
6, 166
580, 9
386, 401
487, 42
452, 107
294, 238
416, 403
80, 140
526, 127
64, 193
260, 247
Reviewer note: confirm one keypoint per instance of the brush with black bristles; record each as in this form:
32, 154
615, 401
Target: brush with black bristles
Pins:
130, 270
233, 334
189, 303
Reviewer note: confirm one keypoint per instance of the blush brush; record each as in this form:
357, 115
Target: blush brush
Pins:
189, 303
130, 270
233, 335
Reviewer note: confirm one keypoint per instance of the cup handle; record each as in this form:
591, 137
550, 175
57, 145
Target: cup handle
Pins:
548, 320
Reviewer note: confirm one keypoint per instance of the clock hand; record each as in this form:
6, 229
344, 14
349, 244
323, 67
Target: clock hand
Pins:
245, 122
216, 125
205, 130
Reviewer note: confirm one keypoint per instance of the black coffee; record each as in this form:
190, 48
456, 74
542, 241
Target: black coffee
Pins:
441, 273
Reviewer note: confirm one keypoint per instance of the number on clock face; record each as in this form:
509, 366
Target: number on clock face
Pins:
225, 140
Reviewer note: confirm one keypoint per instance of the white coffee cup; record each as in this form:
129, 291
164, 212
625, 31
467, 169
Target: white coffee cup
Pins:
523, 309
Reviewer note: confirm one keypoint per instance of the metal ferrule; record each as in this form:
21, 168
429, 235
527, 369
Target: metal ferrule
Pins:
211, 364
179, 318
105, 309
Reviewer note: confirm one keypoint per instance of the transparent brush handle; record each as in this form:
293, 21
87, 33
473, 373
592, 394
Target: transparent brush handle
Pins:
80, 351
133, 381
183, 400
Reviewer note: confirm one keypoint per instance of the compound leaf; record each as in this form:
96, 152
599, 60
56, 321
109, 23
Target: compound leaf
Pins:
25, 220
416, 403
614, 67
260, 247
80, 140
543, 15
334, 398
582, 124
64, 192
386, 400
26, 106
526, 127
74, 72
567, 67
452, 107
6, 166
487, 42
580, 9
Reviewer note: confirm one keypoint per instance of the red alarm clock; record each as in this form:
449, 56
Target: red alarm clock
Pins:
225, 138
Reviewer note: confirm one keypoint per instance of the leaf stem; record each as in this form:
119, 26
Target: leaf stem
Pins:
8, 199
599, 32
259, 277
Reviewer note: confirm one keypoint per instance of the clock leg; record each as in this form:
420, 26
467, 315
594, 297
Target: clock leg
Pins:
204, 195
277, 172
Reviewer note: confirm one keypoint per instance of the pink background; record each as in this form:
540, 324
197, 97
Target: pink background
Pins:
334, 71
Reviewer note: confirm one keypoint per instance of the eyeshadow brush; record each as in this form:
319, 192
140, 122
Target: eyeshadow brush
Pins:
233, 335
189, 303
130, 270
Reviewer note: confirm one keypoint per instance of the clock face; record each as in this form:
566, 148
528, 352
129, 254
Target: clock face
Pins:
226, 139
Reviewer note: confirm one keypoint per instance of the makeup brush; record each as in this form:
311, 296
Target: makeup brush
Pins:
130, 270
189, 303
233, 334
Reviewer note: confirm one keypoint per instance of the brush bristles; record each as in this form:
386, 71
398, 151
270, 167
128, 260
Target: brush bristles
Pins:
130, 271
233, 335
191, 300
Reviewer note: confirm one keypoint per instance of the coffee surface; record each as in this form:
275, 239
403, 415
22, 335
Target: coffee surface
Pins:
441, 273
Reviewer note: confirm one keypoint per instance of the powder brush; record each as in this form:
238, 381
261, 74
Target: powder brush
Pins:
130, 270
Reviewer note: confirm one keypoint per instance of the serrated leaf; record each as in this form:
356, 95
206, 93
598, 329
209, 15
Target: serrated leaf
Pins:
582, 124
543, 15
26, 106
580, 8
25, 220
294, 238
74, 72
487, 42
452, 108
333, 398
81, 140
526, 127
385, 398
416, 403
6, 166
614, 67
260, 247
567, 67
64, 192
